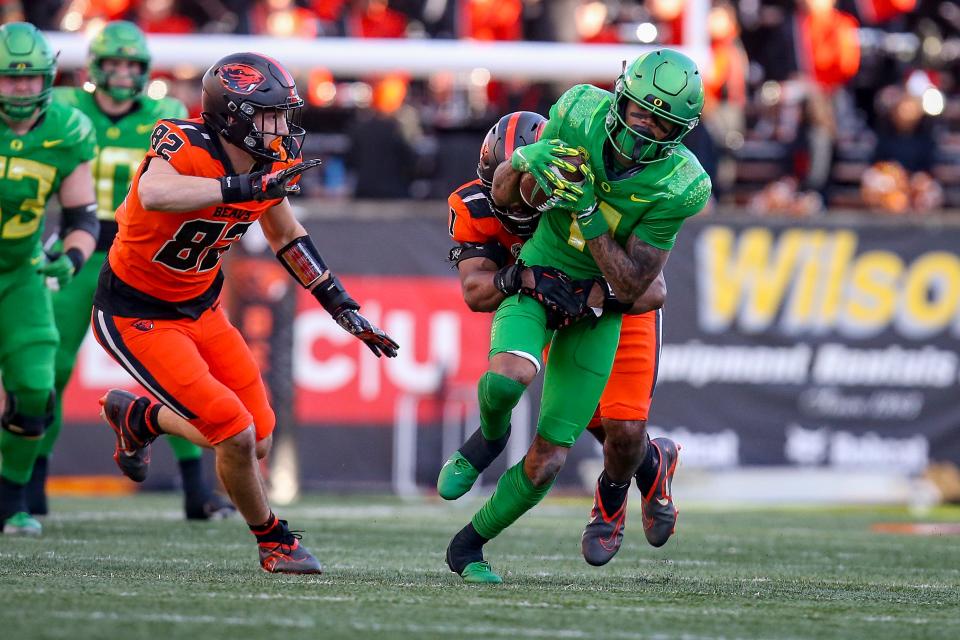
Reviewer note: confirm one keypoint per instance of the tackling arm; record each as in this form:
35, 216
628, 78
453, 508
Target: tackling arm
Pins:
485, 278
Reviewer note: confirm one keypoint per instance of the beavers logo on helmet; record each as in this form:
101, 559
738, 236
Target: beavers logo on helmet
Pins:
240, 78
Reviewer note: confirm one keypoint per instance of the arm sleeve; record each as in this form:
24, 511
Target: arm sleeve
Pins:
660, 227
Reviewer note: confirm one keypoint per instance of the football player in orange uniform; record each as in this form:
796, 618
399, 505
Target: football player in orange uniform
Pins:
489, 239
157, 310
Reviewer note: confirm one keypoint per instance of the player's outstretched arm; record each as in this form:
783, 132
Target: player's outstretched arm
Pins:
163, 188
79, 226
299, 256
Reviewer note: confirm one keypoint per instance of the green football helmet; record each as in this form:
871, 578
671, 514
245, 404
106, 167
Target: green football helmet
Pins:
25, 52
666, 83
123, 40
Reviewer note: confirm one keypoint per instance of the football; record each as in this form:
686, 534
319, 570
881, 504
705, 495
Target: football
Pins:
534, 196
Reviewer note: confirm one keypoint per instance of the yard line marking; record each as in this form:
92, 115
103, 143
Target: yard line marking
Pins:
259, 622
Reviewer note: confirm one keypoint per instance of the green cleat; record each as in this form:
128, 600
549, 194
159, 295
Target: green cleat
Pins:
456, 477
480, 573
22, 524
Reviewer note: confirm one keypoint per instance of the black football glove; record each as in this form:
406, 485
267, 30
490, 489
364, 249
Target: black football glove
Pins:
263, 185
379, 342
554, 290
581, 291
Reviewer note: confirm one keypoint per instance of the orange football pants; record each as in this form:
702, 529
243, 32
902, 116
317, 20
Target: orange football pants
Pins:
200, 369
629, 389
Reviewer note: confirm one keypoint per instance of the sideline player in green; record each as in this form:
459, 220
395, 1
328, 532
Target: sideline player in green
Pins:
119, 67
642, 183
45, 149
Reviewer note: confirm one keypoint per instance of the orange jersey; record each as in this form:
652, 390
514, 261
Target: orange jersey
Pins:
175, 257
472, 220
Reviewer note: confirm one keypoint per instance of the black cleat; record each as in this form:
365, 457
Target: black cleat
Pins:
121, 409
288, 556
465, 558
603, 534
659, 512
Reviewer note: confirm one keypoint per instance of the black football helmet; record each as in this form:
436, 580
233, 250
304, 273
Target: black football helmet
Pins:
511, 131
239, 87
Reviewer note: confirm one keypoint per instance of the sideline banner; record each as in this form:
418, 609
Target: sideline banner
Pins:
812, 344
784, 342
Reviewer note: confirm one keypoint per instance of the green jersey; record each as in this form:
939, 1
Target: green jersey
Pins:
651, 203
123, 142
32, 167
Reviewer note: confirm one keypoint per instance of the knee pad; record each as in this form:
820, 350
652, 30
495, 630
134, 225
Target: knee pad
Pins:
223, 410
31, 425
500, 392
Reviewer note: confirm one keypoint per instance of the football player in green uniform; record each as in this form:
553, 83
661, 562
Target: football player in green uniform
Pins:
45, 149
119, 67
642, 183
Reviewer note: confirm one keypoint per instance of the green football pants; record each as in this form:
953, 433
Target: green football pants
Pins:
28, 341
580, 361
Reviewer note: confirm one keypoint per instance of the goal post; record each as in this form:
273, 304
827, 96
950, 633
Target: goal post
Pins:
418, 58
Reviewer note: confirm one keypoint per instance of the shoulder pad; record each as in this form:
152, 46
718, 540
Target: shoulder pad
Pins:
77, 126
476, 200
197, 134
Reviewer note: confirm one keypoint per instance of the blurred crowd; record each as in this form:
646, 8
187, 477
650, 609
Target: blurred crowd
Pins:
811, 104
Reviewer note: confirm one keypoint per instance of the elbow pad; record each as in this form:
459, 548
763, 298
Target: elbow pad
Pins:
302, 261
82, 218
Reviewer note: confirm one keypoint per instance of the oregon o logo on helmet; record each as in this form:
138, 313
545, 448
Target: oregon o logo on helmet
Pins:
240, 78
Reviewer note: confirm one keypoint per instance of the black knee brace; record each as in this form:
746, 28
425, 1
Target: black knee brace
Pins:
26, 426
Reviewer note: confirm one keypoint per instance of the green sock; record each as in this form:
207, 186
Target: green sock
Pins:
497, 395
184, 449
17, 454
513, 497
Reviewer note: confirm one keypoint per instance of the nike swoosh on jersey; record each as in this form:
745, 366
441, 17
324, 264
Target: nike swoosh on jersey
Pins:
663, 501
144, 128
634, 198
50, 143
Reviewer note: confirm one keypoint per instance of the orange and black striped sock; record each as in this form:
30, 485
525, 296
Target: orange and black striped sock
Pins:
269, 531
151, 419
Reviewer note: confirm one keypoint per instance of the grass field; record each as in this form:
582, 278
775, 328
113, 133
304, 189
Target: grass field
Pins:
130, 568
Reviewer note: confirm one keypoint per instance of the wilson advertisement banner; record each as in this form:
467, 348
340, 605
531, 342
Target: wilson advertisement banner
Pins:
783, 343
